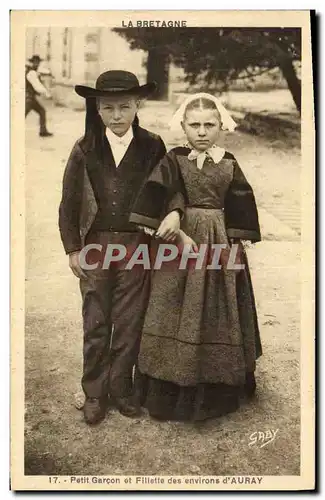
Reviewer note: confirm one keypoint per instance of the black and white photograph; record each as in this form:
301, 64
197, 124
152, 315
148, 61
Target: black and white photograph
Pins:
162, 250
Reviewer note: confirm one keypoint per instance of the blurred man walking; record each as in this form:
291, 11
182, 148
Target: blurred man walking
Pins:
34, 87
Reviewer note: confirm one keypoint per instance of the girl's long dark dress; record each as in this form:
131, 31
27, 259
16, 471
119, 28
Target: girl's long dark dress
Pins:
200, 338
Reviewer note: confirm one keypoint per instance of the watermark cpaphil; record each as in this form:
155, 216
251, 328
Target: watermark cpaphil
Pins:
164, 256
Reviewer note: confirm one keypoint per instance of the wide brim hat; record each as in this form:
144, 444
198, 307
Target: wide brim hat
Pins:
35, 58
112, 83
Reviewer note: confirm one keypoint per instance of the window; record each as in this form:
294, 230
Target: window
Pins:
48, 45
66, 53
92, 40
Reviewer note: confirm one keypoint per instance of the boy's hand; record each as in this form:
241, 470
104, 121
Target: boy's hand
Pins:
169, 227
74, 265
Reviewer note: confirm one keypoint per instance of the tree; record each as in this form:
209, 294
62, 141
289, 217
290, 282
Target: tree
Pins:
215, 57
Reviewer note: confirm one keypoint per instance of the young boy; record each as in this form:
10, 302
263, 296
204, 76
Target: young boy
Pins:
103, 176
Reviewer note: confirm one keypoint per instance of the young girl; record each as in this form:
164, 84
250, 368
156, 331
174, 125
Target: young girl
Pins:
200, 339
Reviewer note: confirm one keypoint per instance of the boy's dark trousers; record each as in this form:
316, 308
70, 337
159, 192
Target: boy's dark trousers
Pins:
116, 298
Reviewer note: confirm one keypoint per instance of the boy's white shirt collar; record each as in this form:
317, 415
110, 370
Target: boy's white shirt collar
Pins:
115, 139
215, 152
119, 145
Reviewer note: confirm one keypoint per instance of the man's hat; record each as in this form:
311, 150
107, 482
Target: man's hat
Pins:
112, 83
35, 59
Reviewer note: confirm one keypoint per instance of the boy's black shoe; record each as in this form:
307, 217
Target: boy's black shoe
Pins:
94, 410
126, 408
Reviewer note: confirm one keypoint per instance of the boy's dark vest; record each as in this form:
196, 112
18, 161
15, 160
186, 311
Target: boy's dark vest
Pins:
114, 187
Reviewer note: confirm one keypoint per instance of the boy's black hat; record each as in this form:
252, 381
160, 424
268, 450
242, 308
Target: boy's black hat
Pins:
112, 83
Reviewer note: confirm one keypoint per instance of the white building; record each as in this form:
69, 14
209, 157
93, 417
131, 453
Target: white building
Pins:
78, 55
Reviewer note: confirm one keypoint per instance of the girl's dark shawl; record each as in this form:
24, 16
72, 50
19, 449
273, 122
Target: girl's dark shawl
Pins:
166, 182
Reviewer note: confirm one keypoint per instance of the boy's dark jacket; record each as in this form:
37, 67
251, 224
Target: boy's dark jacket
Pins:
78, 207
241, 216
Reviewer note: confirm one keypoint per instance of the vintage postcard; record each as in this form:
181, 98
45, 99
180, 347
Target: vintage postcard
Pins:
162, 250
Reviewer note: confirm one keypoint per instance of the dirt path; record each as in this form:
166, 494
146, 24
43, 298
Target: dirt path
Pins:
57, 441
